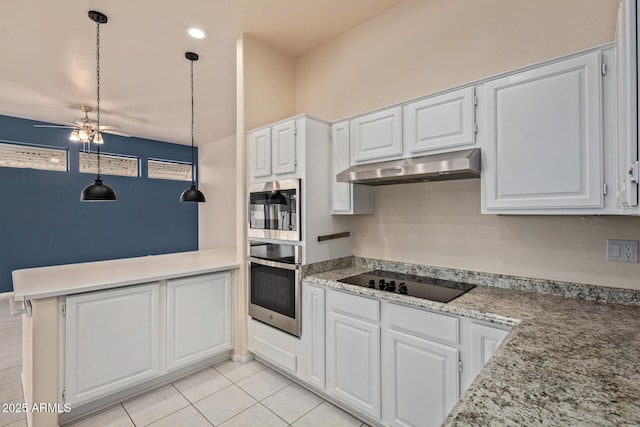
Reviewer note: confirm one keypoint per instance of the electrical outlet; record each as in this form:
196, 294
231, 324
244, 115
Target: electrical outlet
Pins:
622, 250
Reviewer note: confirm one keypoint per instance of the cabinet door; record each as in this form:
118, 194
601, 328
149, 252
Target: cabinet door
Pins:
442, 121
284, 148
543, 147
377, 136
260, 153
112, 341
422, 380
313, 334
198, 318
484, 342
353, 362
627, 145
340, 150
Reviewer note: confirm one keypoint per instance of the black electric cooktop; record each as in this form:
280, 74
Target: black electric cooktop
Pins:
407, 284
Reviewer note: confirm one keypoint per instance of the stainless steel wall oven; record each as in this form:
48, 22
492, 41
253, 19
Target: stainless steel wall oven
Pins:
274, 210
274, 285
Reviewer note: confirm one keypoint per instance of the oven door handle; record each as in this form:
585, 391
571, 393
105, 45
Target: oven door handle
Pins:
274, 264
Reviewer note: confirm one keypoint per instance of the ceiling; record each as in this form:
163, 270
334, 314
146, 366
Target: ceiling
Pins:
48, 65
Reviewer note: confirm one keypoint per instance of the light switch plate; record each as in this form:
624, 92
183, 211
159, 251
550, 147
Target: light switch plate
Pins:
622, 250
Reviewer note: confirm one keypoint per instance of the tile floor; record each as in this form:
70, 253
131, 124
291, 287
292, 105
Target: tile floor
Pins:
230, 394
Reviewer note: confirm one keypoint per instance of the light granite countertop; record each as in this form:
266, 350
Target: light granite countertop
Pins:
566, 361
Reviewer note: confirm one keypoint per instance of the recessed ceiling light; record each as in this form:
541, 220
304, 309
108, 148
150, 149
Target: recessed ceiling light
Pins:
196, 33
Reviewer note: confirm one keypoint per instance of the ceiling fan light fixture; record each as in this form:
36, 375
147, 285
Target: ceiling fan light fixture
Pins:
75, 136
97, 138
83, 135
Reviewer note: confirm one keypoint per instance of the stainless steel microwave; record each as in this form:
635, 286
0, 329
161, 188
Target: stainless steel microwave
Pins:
274, 210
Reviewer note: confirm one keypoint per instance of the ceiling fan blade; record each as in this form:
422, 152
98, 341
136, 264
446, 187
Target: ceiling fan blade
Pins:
114, 132
54, 126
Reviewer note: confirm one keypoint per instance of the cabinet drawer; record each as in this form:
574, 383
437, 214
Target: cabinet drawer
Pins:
276, 354
274, 345
424, 323
354, 306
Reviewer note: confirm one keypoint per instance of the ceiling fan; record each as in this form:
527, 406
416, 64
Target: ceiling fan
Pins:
82, 129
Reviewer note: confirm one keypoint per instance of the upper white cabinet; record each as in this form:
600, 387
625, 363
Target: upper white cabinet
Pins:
439, 122
347, 199
260, 153
543, 138
198, 318
272, 151
112, 341
626, 149
377, 136
284, 147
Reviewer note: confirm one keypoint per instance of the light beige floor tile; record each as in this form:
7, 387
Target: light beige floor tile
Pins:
292, 402
257, 415
10, 375
10, 331
327, 415
202, 384
10, 361
12, 322
152, 406
15, 338
21, 423
224, 404
236, 371
11, 391
114, 416
264, 383
7, 349
14, 416
187, 417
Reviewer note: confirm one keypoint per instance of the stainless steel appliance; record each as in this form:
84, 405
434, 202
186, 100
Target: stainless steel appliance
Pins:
274, 210
407, 284
274, 285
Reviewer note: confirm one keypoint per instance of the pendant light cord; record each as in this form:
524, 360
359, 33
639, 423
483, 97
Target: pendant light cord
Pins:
97, 132
193, 177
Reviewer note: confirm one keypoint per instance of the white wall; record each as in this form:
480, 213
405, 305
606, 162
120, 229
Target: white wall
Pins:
422, 46
217, 180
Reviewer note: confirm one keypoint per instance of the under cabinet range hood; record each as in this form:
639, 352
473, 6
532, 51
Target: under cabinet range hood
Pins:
452, 165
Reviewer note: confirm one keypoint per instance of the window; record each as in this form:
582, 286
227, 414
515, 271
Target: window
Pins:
33, 157
110, 164
164, 169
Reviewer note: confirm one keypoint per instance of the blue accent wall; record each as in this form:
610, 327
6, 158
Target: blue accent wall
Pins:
43, 222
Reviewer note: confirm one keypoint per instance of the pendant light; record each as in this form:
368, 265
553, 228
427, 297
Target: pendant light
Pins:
97, 192
192, 194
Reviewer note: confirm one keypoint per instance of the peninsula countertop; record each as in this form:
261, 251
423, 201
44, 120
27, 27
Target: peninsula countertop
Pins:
45, 282
566, 361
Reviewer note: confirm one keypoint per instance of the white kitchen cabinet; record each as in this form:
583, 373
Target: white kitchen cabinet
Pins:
313, 336
484, 342
275, 346
421, 380
198, 318
112, 341
353, 352
626, 148
377, 136
260, 153
347, 198
543, 148
284, 147
439, 122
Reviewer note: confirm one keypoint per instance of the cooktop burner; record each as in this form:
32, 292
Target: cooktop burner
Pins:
406, 284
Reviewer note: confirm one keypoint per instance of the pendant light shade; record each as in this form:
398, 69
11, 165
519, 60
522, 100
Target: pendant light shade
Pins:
96, 192
192, 194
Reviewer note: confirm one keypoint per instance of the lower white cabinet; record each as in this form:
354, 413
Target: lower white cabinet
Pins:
353, 354
198, 318
421, 380
115, 339
313, 336
112, 341
484, 342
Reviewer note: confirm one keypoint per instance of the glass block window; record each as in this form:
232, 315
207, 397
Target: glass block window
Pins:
32, 157
110, 164
164, 169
